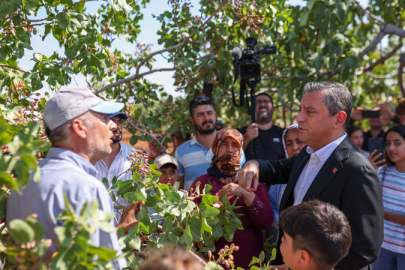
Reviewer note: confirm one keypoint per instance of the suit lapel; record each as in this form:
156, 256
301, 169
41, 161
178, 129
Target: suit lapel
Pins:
329, 170
302, 159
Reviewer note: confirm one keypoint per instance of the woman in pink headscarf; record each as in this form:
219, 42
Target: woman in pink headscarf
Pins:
255, 206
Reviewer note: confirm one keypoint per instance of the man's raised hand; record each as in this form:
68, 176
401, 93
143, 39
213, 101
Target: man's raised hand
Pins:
248, 177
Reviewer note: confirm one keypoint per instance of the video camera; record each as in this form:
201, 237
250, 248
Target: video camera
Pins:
247, 67
247, 63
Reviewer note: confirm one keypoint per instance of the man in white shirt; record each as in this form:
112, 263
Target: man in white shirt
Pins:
116, 163
329, 170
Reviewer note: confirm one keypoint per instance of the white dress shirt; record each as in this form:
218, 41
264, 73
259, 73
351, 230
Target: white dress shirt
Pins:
313, 167
118, 166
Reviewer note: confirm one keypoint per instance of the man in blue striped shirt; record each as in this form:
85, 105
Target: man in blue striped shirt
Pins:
194, 156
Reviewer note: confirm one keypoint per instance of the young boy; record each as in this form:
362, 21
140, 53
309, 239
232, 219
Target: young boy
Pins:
168, 166
317, 236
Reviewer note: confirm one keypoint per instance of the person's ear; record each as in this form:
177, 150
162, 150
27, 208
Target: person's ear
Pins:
79, 128
340, 119
192, 120
304, 258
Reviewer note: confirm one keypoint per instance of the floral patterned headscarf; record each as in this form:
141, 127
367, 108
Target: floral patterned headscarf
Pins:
226, 165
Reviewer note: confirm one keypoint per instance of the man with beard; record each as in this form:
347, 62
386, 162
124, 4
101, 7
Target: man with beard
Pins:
194, 156
269, 144
116, 163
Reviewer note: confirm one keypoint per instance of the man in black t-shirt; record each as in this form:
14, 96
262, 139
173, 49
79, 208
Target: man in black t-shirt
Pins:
269, 144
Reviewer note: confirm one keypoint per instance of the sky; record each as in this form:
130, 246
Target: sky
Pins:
149, 28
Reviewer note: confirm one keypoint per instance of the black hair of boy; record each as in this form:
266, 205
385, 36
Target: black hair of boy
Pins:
168, 165
319, 228
198, 101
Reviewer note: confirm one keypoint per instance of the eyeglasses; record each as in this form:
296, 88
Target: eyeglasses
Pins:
264, 101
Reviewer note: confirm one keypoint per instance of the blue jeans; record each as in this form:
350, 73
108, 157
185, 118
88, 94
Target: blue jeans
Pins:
389, 260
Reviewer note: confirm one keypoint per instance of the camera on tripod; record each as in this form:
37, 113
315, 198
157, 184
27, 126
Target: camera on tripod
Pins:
247, 67
247, 63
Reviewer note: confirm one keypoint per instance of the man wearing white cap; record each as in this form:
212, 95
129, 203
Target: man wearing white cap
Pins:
80, 132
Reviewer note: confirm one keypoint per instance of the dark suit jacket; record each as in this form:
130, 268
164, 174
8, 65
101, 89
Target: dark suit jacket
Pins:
346, 180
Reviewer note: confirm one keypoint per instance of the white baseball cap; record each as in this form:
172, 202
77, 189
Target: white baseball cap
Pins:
71, 102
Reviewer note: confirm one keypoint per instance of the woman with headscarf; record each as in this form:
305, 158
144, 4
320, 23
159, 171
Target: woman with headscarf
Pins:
255, 206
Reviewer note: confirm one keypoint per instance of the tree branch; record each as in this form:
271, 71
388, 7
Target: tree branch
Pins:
139, 75
400, 73
15, 68
178, 26
376, 40
144, 131
131, 78
205, 56
146, 105
381, 77
368, 13
381, 60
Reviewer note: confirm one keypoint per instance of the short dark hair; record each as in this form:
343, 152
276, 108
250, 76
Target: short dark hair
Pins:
267, 95
337, 97
400, 109
319, 228
400, 129
60, 134
168, 165
351, 129
198, 101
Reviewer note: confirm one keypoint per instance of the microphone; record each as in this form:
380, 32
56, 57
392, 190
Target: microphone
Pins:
236, 53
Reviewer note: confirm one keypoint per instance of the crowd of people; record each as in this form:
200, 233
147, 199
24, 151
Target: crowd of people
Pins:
316, 188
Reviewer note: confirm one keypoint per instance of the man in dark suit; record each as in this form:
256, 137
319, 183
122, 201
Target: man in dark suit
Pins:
329, 170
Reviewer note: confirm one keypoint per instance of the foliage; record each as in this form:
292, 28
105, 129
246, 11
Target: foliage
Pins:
324, 40
170, 216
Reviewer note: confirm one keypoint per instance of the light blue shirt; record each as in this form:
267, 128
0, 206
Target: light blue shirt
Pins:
64, 171
194, 160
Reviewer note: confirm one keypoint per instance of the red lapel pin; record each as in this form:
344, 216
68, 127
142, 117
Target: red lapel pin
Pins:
334, 170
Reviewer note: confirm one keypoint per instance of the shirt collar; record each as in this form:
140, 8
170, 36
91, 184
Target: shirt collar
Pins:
121, 149
325, 152
71, 157
194, 140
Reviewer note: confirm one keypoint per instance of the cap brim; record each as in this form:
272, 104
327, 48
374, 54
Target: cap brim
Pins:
123, 115
108, 107
175, 165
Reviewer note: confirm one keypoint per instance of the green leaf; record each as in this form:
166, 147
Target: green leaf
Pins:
134, 230
105, 182
63, 24
71, 52
7, 180
205, 226
167, 225
137, 195
304, 17
133, 140
71, 28
213, 266
261, 257
209, 211
38, 228
143, 216
254, 261
63, 16
135, 242
21, 232
38, 57
186, 238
